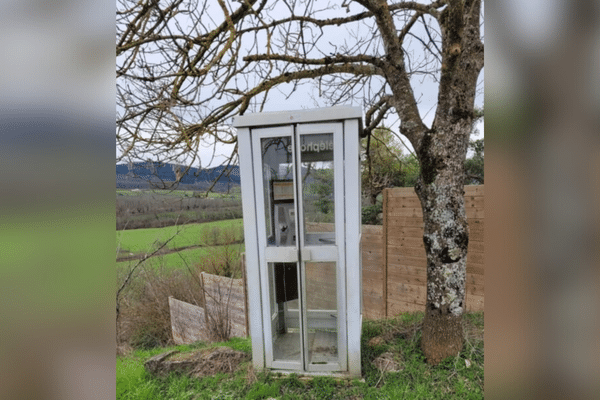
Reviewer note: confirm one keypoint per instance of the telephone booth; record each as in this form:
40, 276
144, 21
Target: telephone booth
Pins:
300, 174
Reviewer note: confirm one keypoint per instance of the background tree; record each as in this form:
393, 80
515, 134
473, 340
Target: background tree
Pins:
322, 190
384, 164
474, 173
185, 68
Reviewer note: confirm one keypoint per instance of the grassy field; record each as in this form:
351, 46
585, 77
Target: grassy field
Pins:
177, 193
215, 239
460, 377
200, 257
146, 240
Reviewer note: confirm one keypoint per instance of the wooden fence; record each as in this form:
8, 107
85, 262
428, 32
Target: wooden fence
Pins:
394, 271
394, 263
222, 298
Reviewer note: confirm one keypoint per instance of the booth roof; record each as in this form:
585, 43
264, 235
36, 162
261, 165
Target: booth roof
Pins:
298, 116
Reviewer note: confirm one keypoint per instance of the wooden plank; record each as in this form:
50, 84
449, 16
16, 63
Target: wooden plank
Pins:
478, 214
400, 307
406, 292
475, 246
474, 202
374, 285
476, 235
373, 261
475, 282
375, 250
472, 199
377, 270
474, 268
405, 241
371, 240
417, 213
406, 251
476, 258
409, 222
400, 279
474, 279
372, 290
475, 224
372, 265
398, 273
372, 274
373, 304
401, 191
372, 312
404, 202
187, 322
398, 233
405, 254
403, 260
406, 212
474, 303
372, 229
474, 190
384, 248
398, 230
372, 257
476, 290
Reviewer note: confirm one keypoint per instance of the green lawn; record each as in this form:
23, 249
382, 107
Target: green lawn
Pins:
146, 240
191, 257
458, 377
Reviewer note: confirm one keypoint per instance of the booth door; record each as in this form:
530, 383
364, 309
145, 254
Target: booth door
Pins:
300, 245
320, 171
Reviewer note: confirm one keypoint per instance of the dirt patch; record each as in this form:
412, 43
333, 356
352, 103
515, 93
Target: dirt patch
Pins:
222, 359
387, 362
376, 341
198, 364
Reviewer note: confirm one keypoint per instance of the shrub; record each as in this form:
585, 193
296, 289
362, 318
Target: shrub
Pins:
370, 214
143, 316
153, 210
145, 320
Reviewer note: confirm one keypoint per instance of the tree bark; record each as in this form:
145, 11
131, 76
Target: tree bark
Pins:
442, 152
446, 237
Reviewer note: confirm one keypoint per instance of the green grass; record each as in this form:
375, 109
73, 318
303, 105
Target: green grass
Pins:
178, 260
451, 379
146, 240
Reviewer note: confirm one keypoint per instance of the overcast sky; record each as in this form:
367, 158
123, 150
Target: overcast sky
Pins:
279, 99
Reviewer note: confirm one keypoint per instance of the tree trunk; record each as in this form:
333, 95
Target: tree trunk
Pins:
446, 237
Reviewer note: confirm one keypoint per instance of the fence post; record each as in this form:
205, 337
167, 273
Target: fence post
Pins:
243, 256
206, 320
385, 255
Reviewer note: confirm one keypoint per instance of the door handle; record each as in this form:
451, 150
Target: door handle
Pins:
305, 254
281, 254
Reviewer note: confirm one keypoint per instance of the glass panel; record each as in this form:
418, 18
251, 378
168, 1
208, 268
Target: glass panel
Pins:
285, 314
322, 315
316, 156
279, 193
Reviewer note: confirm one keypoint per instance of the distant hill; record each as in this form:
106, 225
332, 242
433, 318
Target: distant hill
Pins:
144, 175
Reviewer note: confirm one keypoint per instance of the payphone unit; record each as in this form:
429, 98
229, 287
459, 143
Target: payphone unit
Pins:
300, 173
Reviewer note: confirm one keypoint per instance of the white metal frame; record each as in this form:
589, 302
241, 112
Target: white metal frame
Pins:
345, 124
269, 254
326, 253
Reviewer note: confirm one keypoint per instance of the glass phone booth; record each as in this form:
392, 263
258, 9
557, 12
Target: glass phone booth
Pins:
300, 174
